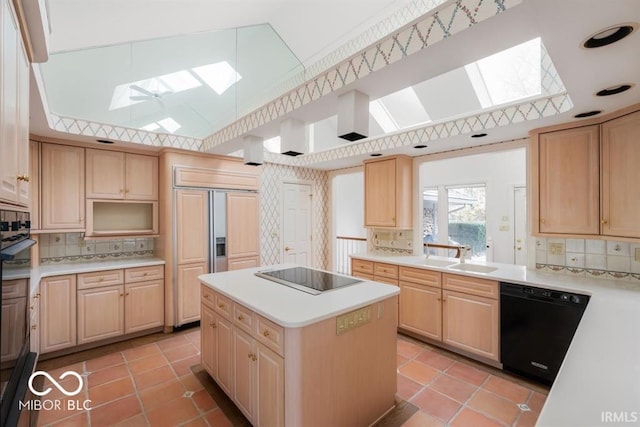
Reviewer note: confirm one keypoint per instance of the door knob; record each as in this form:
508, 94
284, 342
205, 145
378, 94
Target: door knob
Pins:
519, 248
287, 249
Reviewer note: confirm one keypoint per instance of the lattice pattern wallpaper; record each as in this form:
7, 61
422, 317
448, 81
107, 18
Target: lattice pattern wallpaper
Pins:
271, 180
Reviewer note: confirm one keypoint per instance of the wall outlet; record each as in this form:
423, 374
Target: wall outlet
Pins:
637, 255
556, 248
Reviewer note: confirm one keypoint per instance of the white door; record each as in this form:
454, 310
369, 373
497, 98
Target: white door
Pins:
296, 224
520, 225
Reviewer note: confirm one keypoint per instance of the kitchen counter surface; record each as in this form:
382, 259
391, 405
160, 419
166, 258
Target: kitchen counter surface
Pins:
12, 273
600, 376
290, 307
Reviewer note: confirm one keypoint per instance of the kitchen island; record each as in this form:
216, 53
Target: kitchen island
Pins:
287, 357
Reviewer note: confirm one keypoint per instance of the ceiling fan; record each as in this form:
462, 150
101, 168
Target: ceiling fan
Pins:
147, 95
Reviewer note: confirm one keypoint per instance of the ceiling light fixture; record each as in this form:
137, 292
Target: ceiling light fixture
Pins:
613, 90
375, 154
609, 35
478, 135
420, 146
104, 141
587, 114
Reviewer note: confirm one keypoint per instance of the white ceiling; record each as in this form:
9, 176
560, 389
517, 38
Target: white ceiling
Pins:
562, 26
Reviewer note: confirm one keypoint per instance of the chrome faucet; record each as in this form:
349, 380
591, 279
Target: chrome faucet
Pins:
463, 252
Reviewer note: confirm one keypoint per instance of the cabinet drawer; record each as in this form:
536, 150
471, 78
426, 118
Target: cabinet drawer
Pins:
421, 277
14, 288
362, 266
223, 305
386, 280
142, 274
100, 278
208, 296
385, 270
243, 318
270, 334
471, 285
364, 276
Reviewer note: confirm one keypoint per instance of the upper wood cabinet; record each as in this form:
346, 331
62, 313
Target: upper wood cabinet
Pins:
62, 187
388, 190
621, 176
117, 175
584, 180
14, 111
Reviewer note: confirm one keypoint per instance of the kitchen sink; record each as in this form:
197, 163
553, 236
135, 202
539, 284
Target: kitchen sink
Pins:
475, 268
437, 262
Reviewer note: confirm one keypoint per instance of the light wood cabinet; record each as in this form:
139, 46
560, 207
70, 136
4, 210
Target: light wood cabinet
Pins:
421, 309
12, 327
243, 235
269, 409
192, 207
584, 179
57, 313
569, 181
217, 343
62, 187
471, 315
388, 191
209, 340
188, 295
14, 111
144, 305
118, 175
244, 391
100, 313
34, 321
621, 176
242, 263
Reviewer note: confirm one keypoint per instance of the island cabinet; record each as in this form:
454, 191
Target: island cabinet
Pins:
300, 375
117, 175
471, 315
388, 185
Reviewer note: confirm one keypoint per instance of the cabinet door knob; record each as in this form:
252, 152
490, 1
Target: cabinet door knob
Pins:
603, 222
34, 327
241, 317
127, 294
206, 296
121, 295
221, 305
266, 333
542, 221
213, 325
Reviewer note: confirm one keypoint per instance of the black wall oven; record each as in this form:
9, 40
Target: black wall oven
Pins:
17, 362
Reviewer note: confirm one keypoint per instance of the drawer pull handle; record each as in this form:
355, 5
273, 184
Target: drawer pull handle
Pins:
266, 333
145, 274
221, 305
37, 295
127, 294
34, 327
213, 325
206, 296
252, 357
241, 317
121, 295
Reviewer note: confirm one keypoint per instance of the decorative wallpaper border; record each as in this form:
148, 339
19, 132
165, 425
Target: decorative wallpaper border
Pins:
97, 257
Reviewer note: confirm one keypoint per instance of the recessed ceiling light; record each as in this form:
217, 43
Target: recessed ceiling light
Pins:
420, 146
375, 154
478, 135
104, 141
587, 114
609, 35
613, 90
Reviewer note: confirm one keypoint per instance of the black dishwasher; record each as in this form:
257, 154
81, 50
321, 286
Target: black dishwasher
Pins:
536, 328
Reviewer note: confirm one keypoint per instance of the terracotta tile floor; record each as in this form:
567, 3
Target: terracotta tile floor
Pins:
152, 385
451, 390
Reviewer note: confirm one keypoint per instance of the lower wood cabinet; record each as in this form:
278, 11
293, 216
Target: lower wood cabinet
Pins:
242, 263
57, 313
421, 309
12, 327
92, 307
188, 295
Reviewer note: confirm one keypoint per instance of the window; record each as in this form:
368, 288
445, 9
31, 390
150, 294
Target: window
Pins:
463, 223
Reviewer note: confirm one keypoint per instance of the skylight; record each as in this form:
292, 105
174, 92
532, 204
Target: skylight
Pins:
167, 124
382, 116
219, 76
506, 76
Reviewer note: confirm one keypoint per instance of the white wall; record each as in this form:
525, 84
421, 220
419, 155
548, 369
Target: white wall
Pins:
500, 172
347, 198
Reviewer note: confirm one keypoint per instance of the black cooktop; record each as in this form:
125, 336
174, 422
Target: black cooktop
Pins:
307, 279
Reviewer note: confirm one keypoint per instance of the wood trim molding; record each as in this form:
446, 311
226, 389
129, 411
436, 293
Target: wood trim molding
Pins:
588, 122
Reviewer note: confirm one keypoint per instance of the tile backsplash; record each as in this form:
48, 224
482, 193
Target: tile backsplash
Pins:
390, 241
72, 247
592, 258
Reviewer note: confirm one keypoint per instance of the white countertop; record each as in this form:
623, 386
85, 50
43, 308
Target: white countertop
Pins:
290, 307
601, 371
35, 274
